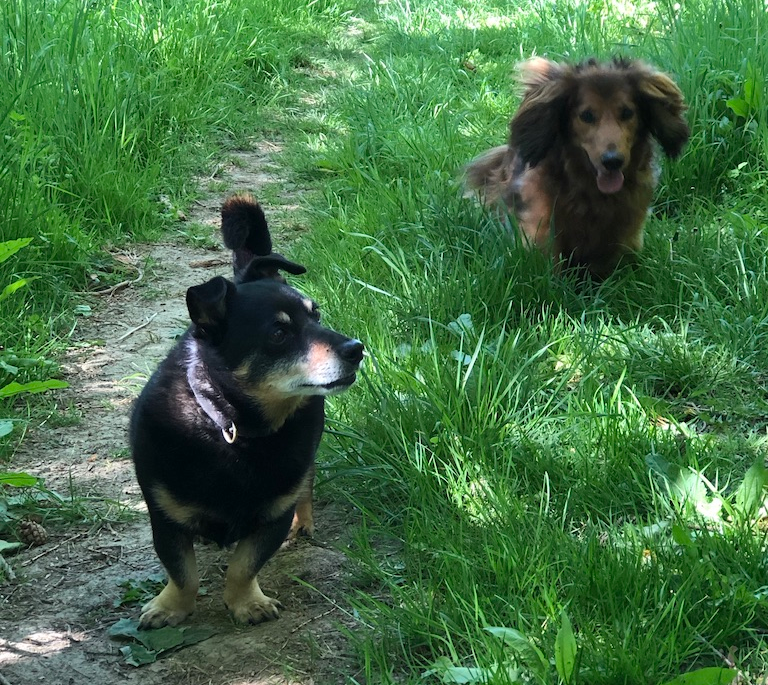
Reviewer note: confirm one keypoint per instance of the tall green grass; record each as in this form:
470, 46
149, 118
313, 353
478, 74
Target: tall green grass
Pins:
522, 444
104, 108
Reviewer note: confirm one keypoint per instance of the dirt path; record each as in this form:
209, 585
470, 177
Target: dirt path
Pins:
54, 618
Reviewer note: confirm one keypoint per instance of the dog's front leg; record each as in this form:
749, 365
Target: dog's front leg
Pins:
242, 593
176, 601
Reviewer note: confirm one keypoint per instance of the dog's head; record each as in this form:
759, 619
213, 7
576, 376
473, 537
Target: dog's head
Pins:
269, 335
602, 108
266, 333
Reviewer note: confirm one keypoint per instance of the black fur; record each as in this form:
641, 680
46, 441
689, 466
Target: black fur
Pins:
245, 231
224, 434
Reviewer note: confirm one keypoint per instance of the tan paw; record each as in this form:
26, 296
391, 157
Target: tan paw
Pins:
155, 615
256, 608
169, 608
303, 524
301, 529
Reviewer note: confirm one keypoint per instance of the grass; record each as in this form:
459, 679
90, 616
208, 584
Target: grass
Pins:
522, 446
27, 498
107, 111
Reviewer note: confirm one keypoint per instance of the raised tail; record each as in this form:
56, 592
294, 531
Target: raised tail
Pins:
245, 230
487, 176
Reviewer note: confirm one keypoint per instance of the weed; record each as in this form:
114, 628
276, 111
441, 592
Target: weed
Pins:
23, 496
121, 454
61, 417
219, 187
202, 236
141, 590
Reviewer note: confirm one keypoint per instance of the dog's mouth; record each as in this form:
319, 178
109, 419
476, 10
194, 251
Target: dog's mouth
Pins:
338, 384
609, 181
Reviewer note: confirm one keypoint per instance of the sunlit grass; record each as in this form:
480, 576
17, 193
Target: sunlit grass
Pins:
521, 445
105, 109
524, 444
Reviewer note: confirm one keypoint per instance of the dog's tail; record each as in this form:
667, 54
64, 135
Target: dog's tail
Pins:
486, 177
244, 225
245, 230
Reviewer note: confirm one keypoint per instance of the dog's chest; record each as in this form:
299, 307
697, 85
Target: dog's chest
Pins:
602, 215
281, 457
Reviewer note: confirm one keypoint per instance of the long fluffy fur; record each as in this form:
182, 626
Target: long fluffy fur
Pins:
243, 224
579, 169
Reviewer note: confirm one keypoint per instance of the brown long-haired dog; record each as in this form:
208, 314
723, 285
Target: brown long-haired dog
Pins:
578, 171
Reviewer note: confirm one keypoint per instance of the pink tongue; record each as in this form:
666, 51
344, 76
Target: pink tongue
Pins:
610, 181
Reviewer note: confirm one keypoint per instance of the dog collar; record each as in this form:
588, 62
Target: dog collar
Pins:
208, 398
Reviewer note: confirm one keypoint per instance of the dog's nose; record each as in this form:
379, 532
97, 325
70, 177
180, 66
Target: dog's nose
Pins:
351, 351
612, 160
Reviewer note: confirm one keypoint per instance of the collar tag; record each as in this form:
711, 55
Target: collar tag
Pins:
230, 434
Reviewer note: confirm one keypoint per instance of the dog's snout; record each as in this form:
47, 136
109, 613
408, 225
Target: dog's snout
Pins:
351, 351
612, 160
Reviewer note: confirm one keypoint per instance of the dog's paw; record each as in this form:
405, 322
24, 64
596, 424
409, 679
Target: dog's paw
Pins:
301, 529
169, 608
254, 607
158, 612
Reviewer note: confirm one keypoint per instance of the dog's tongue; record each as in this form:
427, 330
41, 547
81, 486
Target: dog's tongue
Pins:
610, 181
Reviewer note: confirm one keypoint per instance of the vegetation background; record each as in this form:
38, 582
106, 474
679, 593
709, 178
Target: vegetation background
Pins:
557, 480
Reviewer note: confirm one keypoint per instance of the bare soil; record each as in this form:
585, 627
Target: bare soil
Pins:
55, 615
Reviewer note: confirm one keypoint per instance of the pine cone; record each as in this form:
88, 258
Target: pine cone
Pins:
32, 533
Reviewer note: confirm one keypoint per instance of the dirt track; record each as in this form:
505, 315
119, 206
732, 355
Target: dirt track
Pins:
54, 618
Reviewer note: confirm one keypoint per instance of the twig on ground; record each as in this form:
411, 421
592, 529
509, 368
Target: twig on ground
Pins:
51, 549
118, 286
272, 662
208, 263
138, 328
314, 618
4, 680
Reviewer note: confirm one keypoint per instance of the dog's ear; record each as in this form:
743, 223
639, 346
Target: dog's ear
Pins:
661, 107
538, 123
207, 305
269, 266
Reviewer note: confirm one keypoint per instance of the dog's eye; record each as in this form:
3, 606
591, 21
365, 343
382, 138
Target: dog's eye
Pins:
587, 116
278, 335
626, 113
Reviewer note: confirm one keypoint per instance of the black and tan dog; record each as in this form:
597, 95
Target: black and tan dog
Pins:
224, 434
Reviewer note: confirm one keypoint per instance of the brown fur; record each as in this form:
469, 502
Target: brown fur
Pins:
275, 406
578, 170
